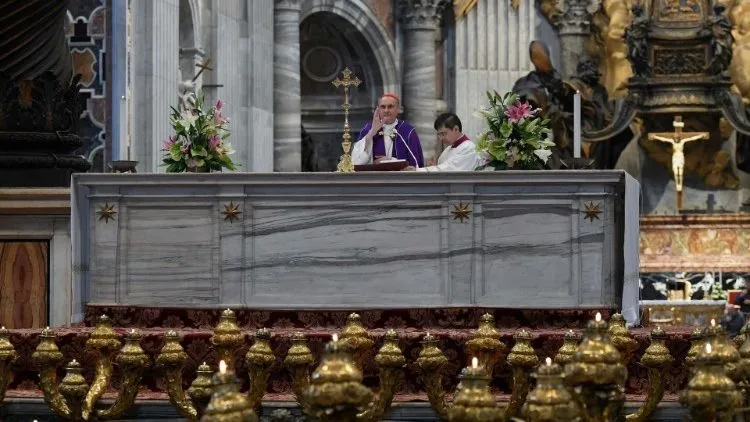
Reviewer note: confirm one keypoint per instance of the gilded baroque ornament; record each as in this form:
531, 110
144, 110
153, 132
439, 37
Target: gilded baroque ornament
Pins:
106, 212
592, 210
231, 212
461, 212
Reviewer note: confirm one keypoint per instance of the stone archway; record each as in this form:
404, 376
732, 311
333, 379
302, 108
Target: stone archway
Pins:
335, 34
328, 44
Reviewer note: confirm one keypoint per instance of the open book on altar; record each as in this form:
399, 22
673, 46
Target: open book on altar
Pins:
385, 165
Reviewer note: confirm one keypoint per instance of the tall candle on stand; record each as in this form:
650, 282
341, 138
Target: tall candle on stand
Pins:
577, 125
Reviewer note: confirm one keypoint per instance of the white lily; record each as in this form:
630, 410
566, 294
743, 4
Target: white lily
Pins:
543, 154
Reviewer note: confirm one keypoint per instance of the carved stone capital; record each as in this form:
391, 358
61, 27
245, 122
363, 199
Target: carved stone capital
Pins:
421, 14
287, 5
570, 17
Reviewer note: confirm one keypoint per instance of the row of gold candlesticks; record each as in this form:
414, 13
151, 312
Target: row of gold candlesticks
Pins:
584, 382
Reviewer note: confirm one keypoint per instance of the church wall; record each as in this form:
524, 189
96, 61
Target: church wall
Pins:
492, 53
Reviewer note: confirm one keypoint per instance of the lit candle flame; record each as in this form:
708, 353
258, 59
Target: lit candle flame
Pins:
598, 317
474, 363
548, 361
132, 331
713, 322
708, 347
2, 328
335, 337
222, 367
73, 361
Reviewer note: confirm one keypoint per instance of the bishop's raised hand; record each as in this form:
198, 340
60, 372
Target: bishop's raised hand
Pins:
377, 122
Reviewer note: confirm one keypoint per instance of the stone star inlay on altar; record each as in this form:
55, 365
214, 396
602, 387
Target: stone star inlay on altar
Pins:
231, 212
461, 212
592, 211
106, 212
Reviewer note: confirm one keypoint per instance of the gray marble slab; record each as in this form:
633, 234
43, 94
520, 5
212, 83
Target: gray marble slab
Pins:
364, 240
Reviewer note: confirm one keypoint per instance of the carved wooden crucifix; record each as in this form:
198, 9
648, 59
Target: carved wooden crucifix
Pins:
678, 139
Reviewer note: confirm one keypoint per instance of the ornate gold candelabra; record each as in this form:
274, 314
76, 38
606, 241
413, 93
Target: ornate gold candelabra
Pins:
173, 357
355, 340
73, 389
336, 392
710, 394
522, 360
697, 343
201, 388
473, 402
227, 337
621, 338
567, 351
550, 400
390, 361
345, 163
47, 357
132, 361
260, 359
7, 357
657, 359
485, 344
227, 403
431, 361
298, 360
724, 350
597, 375
103, 343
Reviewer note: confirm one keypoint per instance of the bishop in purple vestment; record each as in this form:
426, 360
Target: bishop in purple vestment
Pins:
387, 137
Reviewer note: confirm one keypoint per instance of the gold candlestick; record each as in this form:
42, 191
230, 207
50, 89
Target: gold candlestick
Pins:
550, 401
430, 362
336, 392
723, 349
597, 374
697, 343
710, 393
621, 338
7, 357
173, 357
47, 357
522, 360
485, 344
227, 337
73, 388
473, 402
201, 388
104, 343
390, 361
298, 360
657, 359
355, 340
345, 163
259, 359
567, 351
227, 403
132, 361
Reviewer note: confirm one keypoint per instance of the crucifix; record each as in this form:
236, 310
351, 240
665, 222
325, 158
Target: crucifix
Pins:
204, 65
345, 163
678, 139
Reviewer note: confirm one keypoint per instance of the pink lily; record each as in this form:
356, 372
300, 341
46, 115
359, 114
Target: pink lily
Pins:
519, 111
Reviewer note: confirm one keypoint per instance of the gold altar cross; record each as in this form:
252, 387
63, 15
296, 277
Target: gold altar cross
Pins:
345, 163
204, 65
678, 139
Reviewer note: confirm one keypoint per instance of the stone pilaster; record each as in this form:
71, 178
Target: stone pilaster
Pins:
573, 23
420, 21
287, 108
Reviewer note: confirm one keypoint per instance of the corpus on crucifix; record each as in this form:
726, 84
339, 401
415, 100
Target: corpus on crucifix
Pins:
678, 139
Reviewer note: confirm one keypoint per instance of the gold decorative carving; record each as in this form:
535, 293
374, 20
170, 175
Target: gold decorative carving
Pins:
461, 212
680, 62
740, 66
679, 11
106, 212
592, 210
232, 212
608, 44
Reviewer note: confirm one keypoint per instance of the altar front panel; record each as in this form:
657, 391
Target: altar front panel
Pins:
355, 241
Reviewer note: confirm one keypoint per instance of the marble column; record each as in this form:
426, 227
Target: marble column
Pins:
420, 21
574, 28
287, 106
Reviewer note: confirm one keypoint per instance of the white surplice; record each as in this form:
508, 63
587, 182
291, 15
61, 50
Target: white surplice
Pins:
461, 156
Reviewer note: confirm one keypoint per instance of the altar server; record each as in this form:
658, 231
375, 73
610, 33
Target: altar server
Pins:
386, 137
460, 153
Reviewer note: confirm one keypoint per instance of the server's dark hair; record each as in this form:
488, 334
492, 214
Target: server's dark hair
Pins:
449, 120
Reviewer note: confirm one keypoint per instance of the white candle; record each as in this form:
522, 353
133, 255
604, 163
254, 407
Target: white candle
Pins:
335, 337
548, 361
598, 317
577, 125
708, 347
222, 367
474, 363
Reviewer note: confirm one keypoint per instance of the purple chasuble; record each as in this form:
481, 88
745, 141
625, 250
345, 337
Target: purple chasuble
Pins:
408, 137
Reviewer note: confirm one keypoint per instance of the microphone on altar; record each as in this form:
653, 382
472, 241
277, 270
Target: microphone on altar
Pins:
390, 135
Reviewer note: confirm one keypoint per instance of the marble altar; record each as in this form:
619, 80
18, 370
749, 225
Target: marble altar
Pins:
513, 239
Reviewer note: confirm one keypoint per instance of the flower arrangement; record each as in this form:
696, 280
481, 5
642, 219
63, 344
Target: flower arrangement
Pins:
517, 138
199, 142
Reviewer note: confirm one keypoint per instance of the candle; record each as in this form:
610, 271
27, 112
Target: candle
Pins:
577, 125
132, 331
222, 367
474, 363
713, 322
335, 337
598, 317
2, 328
548, 361
708, 347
